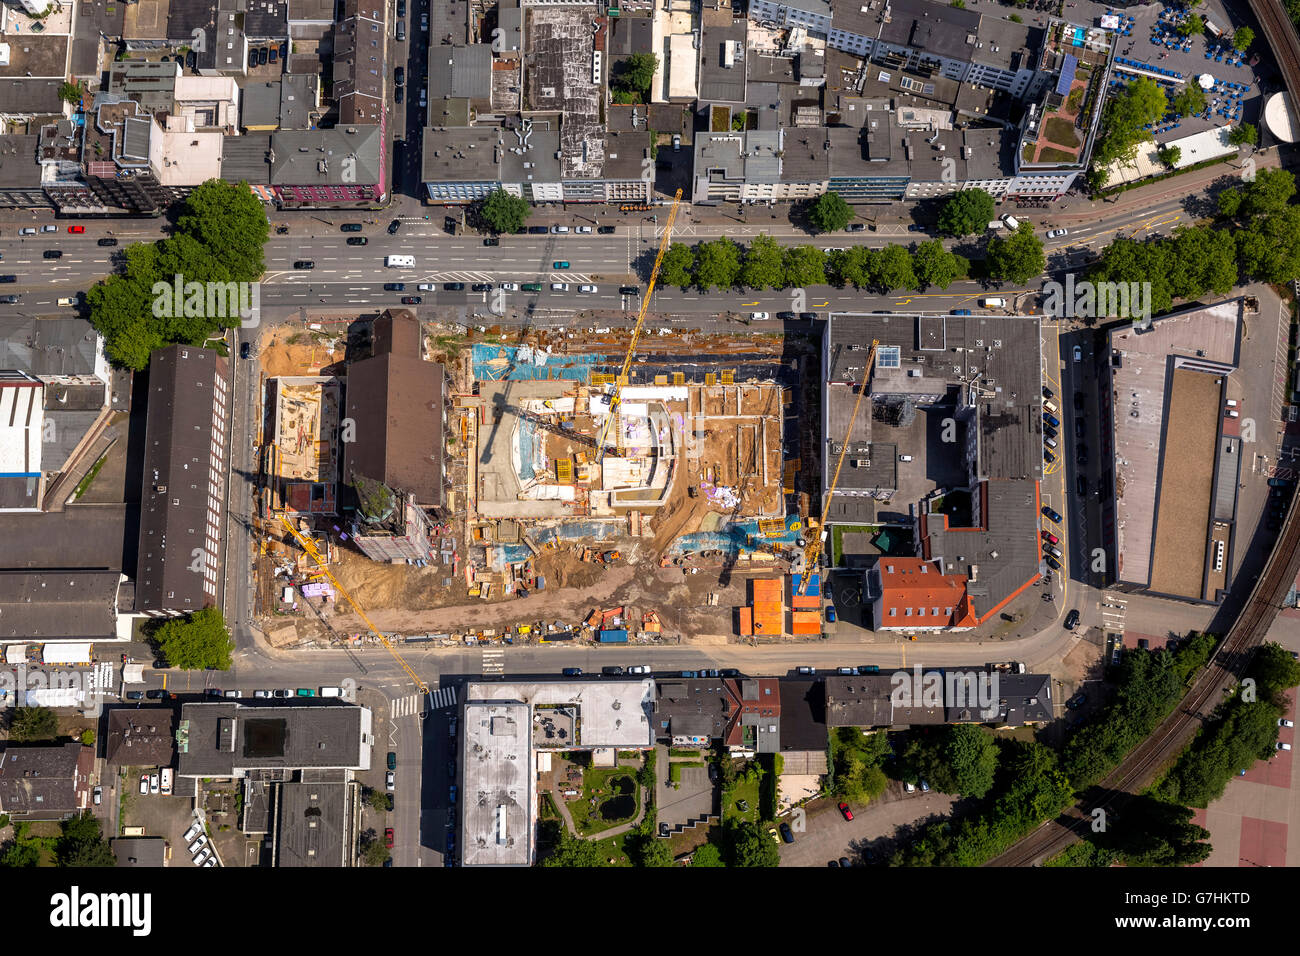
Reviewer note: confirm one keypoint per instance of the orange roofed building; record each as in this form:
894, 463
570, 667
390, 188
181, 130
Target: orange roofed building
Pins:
916, 596
765, 616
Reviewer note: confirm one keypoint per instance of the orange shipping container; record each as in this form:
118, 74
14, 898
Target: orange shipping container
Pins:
806, 623
767, 589
806, 601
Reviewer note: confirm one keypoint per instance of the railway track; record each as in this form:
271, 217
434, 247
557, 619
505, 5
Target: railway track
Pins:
1140, 767
1281, 37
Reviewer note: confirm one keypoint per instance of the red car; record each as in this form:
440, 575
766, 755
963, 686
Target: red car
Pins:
76, 230
388, 837
844, 809
1051, 538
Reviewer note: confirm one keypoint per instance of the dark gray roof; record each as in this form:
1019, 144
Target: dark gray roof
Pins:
45, 782
30, 97
629, 34
692, 708
803, 715
461, 71
1002, 557
314, 825
1021, 699
719, 83
178, 479
139, 851
327, 157
267, 20
397, 402
806, 157
461, 154
58, 605
246, 158
299, 96
141, 737
219, 739
261, 105
859, 701
79, 537
18, 166
61, 346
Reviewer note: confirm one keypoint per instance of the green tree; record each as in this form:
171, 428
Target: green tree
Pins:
717, 264
1269, 192
1243, 38
196, 641
230, 224
1275, 671
1170, 155
1193, 26
678, 267
21, 853
574, 852
1243, 134
934, 265
1200, 260
33, 724
966, 213
1018, 257
1150, 832
893, 270
378, 800
707, 855
1141, 103
970, 759
749, 845
829, 212
635, 73
374, 853
83, 844
763, 267
1016, 18
502, 212
858, 266
88, 738
70, 92
645, 849
1190, 101
804, 266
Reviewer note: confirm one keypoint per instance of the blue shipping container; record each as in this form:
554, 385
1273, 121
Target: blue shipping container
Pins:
614, 637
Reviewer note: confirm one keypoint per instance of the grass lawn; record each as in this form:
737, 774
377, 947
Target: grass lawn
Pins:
596, 783
746, 790
1061, 130
613, 849
1053, 155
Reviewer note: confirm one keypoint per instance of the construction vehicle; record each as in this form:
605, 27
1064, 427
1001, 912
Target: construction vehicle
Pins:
813, 552
616, 396
313, 552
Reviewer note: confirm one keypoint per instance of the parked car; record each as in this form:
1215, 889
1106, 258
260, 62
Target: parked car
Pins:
806, 671
282, 693
776, 837
107, 242
1078, 354
388, 837
614, 671
451, 795
604, 230
1076, 701
587, 289
411, 300
1051, 562
1283, 722
909, 787
9, 299
154, 786
156, 694
572, 672
76, 230
481, 287
925, 787
204, 857
1058, 233
234, 694
262, 694
392, 760
453, 286
786, 833
491, 241
399, 76
49, 228
844, 809
1053, 515
245, 350
199, 843
1283, 746
401, 31
1071, 620
213, 692
357, 240
305, 692
134, 695
639, 669
1048, 536
98, 795
856, 227
390, 781
144, 783
27, 231
195, 829
399, 95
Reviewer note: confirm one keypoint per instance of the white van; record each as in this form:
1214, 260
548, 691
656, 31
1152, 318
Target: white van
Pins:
68, 300
993, 303
331, 691
400, 262
1232, 402
1051, 406
1049, 442
1011, 221
166, 780
904, 457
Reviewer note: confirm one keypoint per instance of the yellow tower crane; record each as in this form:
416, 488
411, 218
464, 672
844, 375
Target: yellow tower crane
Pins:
314, 553
616, 396
813, 553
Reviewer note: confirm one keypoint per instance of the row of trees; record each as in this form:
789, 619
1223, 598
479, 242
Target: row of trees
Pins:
1257, 236
219, 237
764, 264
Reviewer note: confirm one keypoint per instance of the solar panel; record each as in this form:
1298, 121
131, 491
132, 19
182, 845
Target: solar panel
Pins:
1067, 74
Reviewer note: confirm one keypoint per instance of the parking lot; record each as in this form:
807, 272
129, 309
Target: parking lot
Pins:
872, 830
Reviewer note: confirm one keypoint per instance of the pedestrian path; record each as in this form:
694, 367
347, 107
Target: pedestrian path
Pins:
443, 697
407, 706
492, 662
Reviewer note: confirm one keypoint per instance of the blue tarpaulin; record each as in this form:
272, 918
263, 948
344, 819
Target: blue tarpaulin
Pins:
492, 363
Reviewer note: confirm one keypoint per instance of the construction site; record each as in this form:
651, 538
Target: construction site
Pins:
597, 486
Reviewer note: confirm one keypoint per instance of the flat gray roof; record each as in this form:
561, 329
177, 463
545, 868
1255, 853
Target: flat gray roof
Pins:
497, 820
314, 824
719, 83
58, 605
227, 738
611, 713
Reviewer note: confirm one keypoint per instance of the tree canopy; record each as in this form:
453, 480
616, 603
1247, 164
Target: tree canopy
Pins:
966, 213
634, 74
82, 843
1141, 103
829, 212
1018, 257
33, 724
502, 212
196, 641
